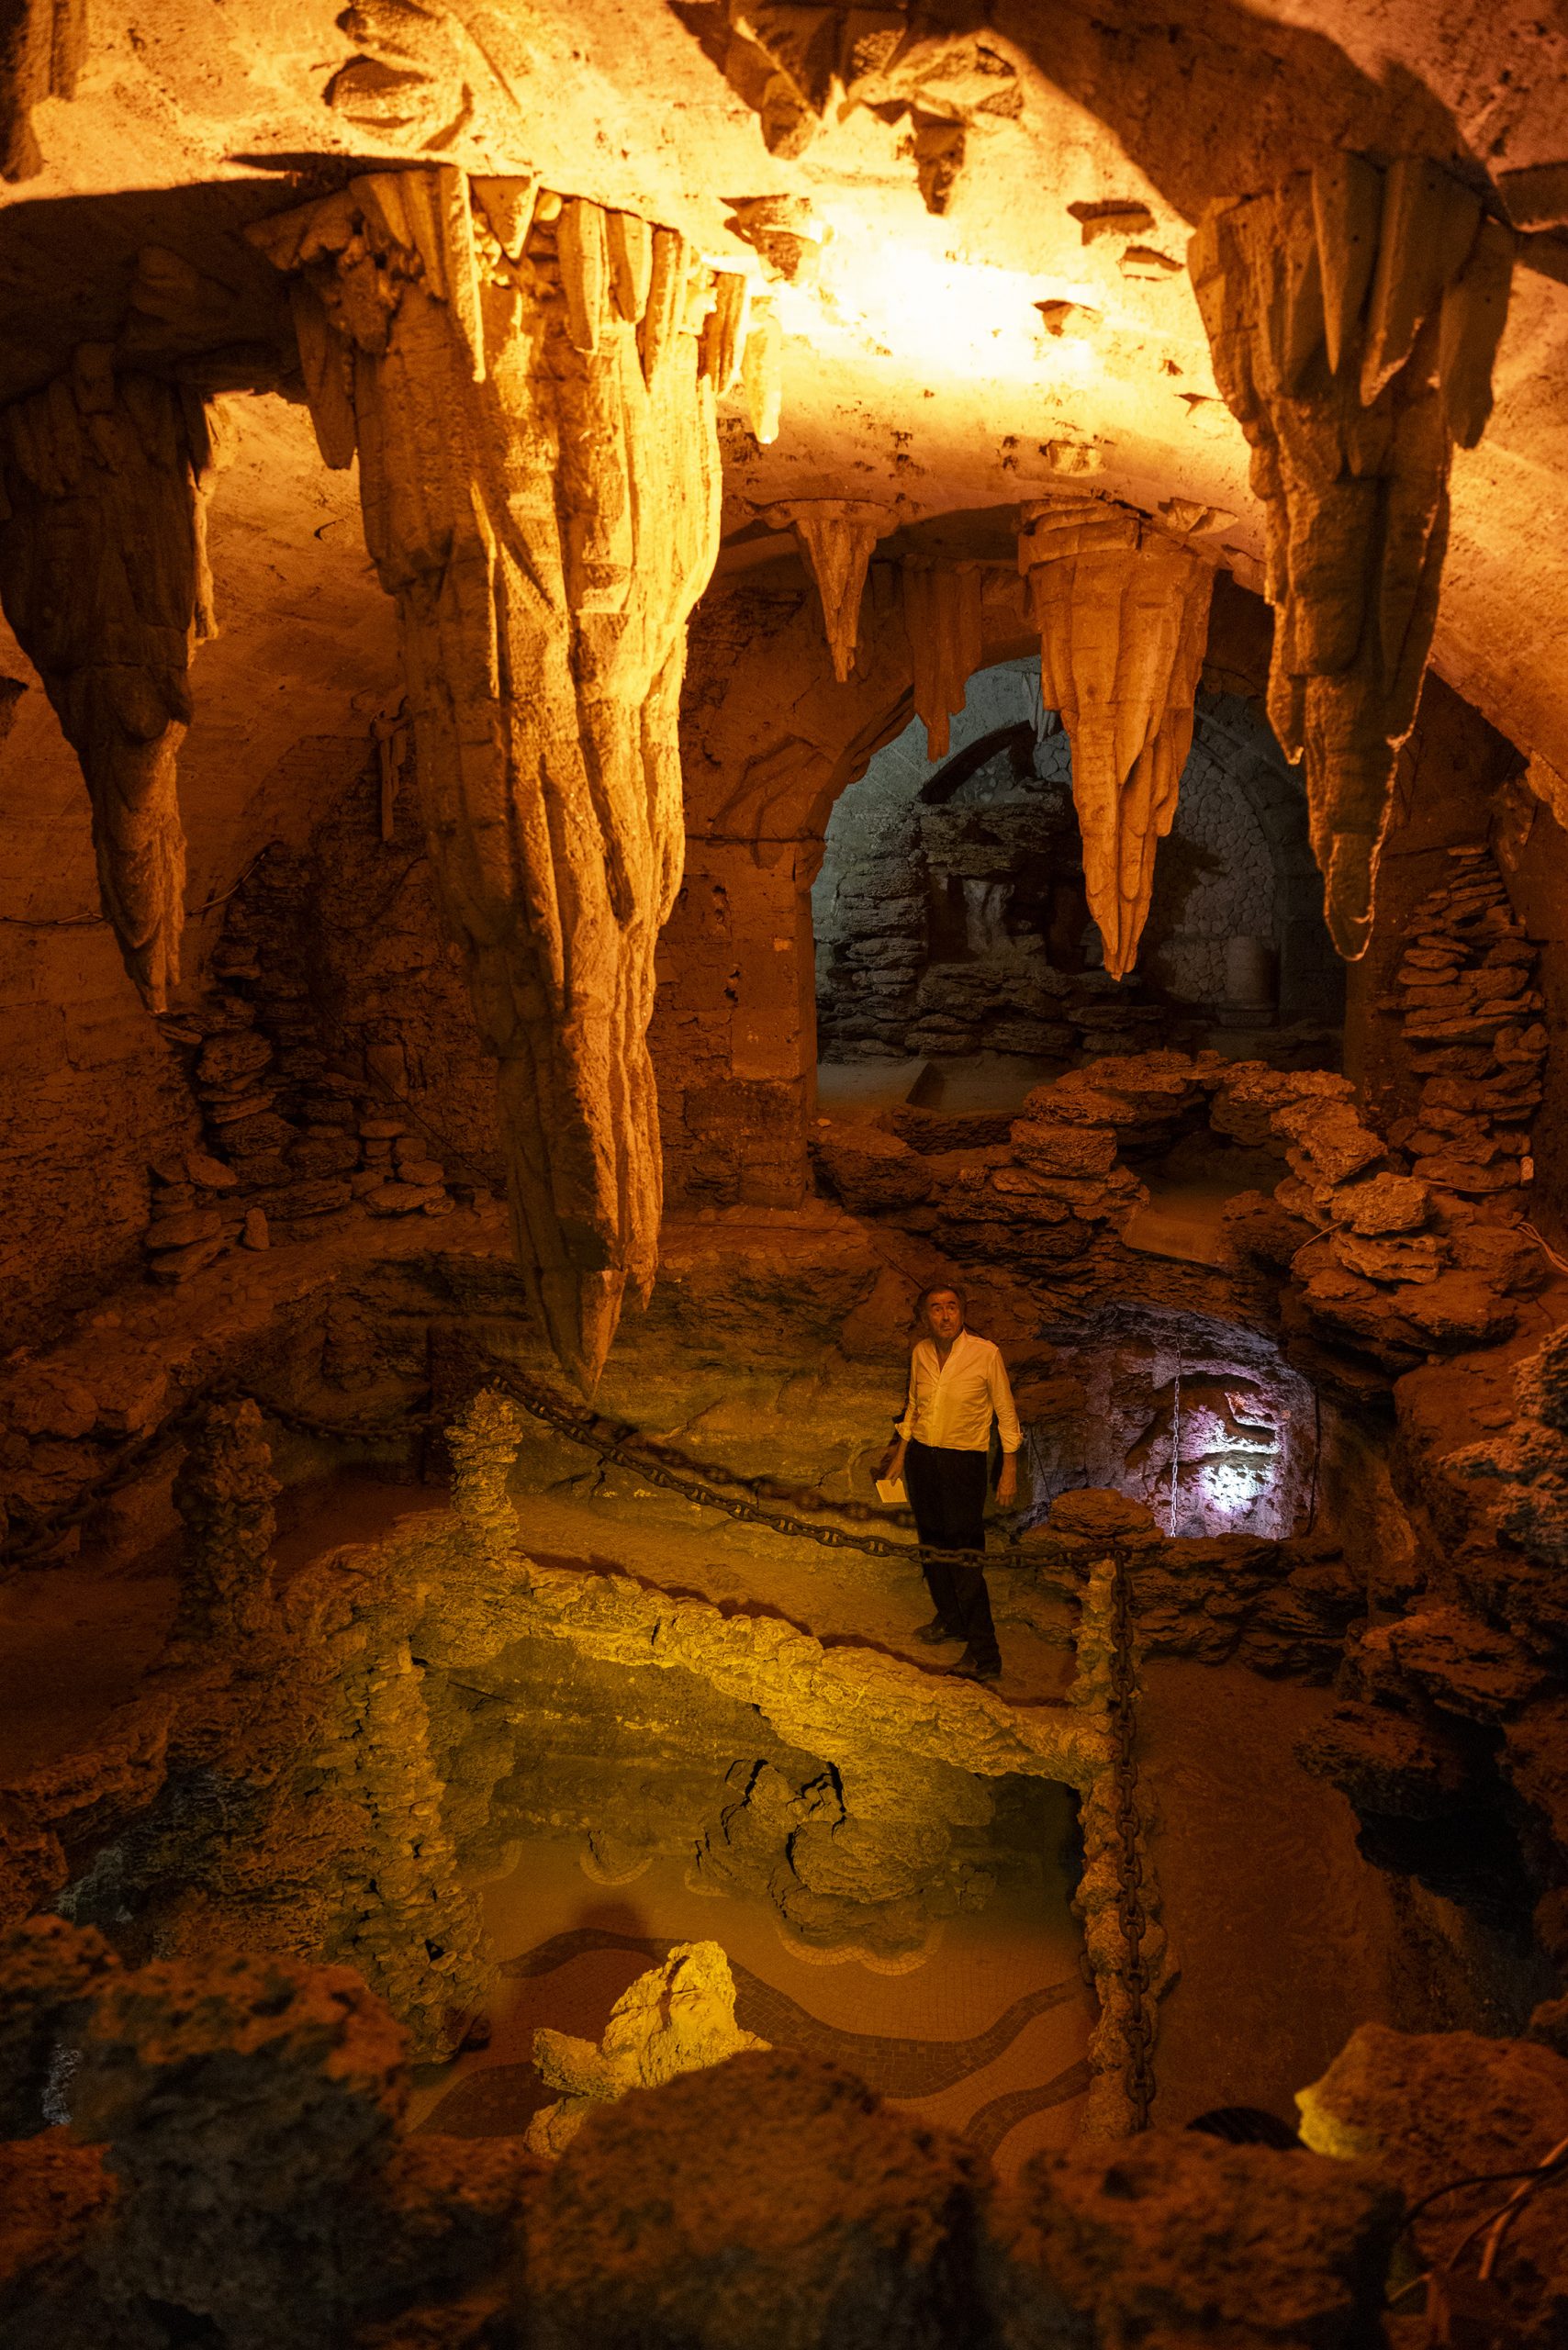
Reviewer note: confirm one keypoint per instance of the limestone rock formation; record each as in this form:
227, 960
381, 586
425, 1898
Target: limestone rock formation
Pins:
837, 536
675, 2018
104, 577
483, 1442
793, 63
530, 385
942, 618
1122, 611
1353, 315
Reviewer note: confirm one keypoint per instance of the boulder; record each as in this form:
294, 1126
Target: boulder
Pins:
1458, 1309
179, 1230
1423, 2109
177, 1265
209, 1173
1074, 1150
767, 2200
393, 1199
1095, 1514
40, 1401
870, 1168
1328, 1137
1175, 2239
1378, 1204
224, 1060
675, 2018
1413, 1257
1465, 1665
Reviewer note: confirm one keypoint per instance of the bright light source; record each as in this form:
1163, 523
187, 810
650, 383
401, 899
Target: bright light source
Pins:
944, 316
1230, 1488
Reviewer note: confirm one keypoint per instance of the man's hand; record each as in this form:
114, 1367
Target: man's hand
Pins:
1007, 1483
890, 1467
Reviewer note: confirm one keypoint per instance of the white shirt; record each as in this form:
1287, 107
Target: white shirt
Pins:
950, 1403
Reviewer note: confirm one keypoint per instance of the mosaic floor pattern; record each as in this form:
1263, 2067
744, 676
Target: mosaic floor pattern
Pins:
986, 2035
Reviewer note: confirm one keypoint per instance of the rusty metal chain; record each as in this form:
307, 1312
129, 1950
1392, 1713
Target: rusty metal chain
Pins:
709, 1484
712, 1486
1137, 2075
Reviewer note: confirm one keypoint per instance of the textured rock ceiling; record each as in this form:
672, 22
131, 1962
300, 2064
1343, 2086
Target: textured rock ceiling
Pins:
919, 372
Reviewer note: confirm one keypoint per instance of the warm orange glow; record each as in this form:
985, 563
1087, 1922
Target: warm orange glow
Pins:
942, 316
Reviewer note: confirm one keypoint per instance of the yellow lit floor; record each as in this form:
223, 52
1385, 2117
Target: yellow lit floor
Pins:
984, 2034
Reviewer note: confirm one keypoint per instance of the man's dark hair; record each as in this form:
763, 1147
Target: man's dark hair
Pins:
941, 1288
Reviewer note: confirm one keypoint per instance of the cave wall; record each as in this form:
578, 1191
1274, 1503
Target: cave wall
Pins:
284, 701
1447, 774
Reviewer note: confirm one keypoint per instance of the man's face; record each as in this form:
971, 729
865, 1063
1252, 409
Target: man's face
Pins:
943, 1315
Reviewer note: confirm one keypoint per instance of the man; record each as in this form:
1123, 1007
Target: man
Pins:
957, 1386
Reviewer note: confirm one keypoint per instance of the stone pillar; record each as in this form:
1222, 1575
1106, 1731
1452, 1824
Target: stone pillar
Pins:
224, 1494
483, 1441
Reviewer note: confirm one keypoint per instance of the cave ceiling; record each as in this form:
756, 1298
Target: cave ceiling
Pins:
934, 360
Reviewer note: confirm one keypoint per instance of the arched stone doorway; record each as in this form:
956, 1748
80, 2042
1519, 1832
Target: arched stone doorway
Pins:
950, 916
770, 742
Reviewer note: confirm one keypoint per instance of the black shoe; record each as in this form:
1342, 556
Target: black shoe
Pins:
935, 1632
970, 1668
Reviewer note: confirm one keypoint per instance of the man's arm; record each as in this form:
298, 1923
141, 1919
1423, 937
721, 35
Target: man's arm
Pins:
891, 1463
1007, 1428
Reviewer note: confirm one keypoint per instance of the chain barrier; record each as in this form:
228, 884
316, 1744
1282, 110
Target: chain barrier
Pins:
708, 1483
1138, 2024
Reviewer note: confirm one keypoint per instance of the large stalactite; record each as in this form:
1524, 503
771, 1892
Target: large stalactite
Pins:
1353, 316
1123, 613
104, 579
942, 621
836, 537
531, 387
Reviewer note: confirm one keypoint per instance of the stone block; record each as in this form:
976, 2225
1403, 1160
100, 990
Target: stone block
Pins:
211, 1174
1074, 1150
870, 1168
179, 1230
43, 1401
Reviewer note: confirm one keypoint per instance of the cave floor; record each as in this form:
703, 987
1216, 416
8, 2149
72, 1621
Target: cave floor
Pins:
984, 2031
1286, 1939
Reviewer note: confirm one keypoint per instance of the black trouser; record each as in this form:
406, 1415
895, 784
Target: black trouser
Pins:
946, 1492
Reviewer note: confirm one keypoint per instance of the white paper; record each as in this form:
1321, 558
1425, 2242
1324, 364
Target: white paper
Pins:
891, 1491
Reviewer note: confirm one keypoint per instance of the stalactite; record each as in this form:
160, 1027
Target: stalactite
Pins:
1353, 317
1123, 615
533, 407
43, 47
104, 579
837, 536
942, 621
762, 372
